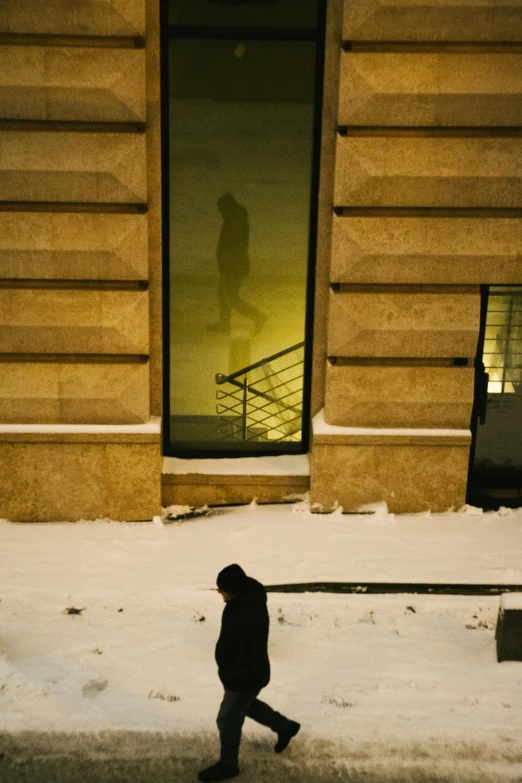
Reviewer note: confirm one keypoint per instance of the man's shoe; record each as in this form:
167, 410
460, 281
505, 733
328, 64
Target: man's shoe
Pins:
219, 771
284, 737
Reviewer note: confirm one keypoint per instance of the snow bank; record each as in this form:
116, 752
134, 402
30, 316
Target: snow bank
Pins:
284, 465
511, 601
153, 426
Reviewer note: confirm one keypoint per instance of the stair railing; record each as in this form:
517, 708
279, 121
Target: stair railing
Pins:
265, 399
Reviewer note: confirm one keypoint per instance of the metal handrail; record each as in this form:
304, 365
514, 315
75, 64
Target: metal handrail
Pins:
220, 378
264, 395
253, 412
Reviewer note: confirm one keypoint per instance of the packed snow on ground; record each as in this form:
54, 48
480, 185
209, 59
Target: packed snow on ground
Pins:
107, 625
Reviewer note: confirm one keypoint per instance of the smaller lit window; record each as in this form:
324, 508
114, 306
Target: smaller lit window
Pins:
503, 340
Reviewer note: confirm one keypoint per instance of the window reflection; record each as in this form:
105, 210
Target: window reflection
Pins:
242, 13
241, 138
233, 265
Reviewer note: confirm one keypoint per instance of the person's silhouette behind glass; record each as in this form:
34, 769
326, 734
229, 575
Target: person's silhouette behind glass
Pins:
233, 264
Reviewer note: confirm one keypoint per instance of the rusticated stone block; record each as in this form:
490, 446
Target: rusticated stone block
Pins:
81, 17
428, 172
440, 89
432, 20
412, 472
77, 83
78, 167
57, 393
71, 481
426, 250
404, 324
388, 396
47, 246
409, 479
73, 321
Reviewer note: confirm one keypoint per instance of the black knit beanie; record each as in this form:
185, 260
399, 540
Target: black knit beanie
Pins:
232, 579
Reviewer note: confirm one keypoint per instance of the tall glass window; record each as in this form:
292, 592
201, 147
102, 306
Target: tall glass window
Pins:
242, 91
496, 476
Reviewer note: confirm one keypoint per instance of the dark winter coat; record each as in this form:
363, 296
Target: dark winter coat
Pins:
241, 650
232, 250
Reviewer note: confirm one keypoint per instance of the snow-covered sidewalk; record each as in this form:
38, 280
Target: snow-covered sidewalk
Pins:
358, 671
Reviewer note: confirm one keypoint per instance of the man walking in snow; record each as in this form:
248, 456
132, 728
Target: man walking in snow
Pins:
244, 669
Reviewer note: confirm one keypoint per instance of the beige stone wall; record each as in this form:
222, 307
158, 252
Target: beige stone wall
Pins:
427, 193
153, 91
426, 181
74, 392
417, 250
65, 477
445, 89
87, 18
81, 84
428, 172
327, 173
79, 160
383, 322
398, 394
407, 476
40, 246
432, 20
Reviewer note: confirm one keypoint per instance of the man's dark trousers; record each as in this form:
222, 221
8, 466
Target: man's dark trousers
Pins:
235, 707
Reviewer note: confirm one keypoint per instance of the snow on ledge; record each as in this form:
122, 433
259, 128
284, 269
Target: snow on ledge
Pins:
320, 427
511, 601
283, 465
153, 426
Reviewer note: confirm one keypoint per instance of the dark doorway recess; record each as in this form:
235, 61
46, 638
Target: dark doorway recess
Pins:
242, 92
495, 477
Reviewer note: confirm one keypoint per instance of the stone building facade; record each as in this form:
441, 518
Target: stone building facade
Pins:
420, 204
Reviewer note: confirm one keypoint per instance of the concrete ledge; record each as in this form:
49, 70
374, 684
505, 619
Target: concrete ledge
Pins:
359, 436
231, 481
82, 433
217, 490
509, 628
